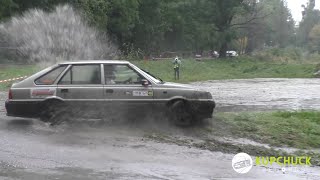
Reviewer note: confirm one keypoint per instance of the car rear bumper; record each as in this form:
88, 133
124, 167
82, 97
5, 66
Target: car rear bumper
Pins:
203, 109
27, 109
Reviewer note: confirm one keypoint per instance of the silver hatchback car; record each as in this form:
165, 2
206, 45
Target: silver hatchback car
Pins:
105, 88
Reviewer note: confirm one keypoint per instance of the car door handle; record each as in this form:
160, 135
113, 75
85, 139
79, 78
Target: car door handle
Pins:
64, 90
109, 91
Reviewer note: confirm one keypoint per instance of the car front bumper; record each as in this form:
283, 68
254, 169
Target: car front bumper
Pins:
203, 109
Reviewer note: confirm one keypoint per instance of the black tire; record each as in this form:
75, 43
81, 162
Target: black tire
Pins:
53, 112
180, 113
47, 110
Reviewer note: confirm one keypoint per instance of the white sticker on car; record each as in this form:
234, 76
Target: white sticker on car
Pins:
43, 92
142, 93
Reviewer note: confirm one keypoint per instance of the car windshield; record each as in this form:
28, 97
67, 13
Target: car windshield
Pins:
149, 75
155, 77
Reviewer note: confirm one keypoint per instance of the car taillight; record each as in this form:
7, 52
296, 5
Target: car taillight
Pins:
10, 94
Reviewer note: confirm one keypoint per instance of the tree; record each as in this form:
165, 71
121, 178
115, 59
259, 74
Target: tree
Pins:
152, 26
275, 29
314, 39
148, 32
222, 13
185, 28
7, 8
94, 11
123, 16
311, 19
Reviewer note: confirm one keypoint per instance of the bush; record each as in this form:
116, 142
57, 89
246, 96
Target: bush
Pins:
278, 54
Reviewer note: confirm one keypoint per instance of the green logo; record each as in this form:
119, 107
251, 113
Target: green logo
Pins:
283, 161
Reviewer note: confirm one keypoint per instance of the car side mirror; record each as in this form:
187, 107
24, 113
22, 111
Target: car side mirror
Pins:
144, 82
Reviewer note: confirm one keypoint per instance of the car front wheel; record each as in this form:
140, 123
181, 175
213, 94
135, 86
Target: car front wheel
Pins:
180, 113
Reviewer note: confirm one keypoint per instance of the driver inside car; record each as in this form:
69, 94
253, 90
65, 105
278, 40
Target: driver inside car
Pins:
110, 75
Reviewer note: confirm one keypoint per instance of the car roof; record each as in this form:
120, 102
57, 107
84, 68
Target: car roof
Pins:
96, 62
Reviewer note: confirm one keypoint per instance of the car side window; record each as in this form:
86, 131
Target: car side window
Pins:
121, 74
50, 77
82, 74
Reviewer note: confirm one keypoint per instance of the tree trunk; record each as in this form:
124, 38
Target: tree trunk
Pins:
223, 50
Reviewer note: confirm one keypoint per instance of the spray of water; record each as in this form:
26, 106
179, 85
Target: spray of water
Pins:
62, 34
46, 38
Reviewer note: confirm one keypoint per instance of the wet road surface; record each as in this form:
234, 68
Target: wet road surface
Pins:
264, 94
30, 149
33, 150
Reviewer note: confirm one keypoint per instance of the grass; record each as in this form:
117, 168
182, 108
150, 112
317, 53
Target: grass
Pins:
293, 129
191, 70
13, 71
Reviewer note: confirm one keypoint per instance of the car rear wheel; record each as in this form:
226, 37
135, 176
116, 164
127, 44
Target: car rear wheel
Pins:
54, 112
180, 113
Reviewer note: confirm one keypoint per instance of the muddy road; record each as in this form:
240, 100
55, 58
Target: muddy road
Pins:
92, 149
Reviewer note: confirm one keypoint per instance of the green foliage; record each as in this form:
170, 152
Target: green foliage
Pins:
7, 7
280, 55
311, 19
279, 23
123, 15
155, 26
220, 14
148, 31
94, 11
10, 8
132, 53
314, 39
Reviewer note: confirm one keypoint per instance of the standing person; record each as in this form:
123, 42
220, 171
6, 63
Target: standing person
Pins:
176, 68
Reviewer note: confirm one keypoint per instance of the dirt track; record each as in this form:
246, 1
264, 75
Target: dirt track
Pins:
30, 149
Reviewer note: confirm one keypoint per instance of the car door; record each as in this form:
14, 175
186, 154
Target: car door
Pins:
124, 90
82, 89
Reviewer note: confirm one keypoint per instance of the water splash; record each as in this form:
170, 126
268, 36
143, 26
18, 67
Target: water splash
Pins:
62, 34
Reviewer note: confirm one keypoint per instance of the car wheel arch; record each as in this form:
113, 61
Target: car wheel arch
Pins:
53, 98
175, 99
51, 101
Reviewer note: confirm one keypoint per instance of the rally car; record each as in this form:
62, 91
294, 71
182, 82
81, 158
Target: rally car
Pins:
102, 89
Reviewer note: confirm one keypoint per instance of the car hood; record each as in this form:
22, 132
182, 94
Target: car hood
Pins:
178, 85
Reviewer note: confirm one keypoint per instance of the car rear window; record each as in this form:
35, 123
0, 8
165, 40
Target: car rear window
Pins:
50, 77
